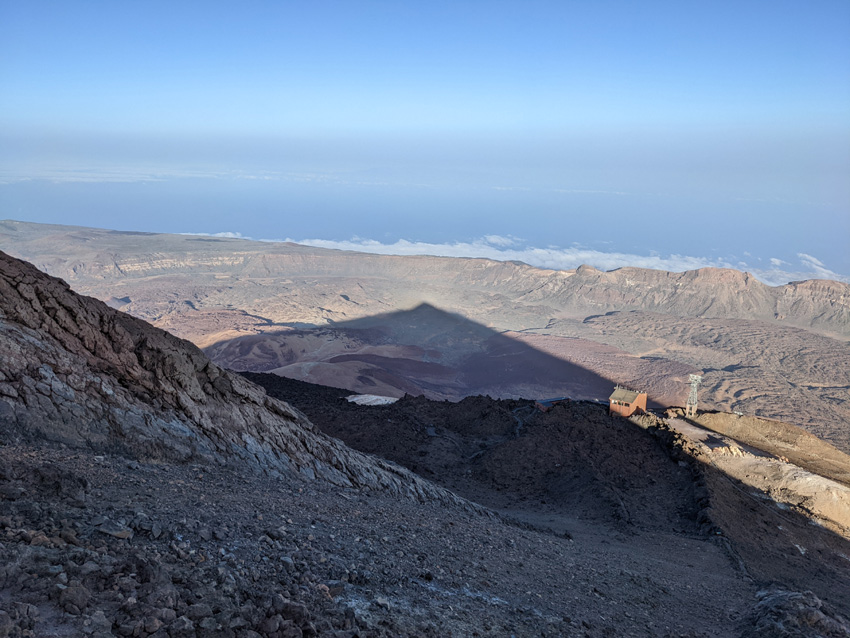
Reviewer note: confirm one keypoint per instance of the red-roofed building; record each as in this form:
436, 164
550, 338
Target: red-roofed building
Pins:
625, 402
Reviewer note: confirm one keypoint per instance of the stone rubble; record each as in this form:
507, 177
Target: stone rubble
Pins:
78, 372
145, 492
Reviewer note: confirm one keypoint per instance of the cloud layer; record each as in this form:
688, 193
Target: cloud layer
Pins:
557, 258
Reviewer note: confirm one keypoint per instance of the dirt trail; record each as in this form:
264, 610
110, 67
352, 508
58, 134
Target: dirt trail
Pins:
821, 499
781, 440
780, 522
146, 492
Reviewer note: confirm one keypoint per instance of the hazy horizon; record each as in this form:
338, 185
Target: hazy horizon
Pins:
661, 134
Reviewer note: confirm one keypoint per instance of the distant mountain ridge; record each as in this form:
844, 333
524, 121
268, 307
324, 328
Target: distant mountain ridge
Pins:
198, 551
775, 352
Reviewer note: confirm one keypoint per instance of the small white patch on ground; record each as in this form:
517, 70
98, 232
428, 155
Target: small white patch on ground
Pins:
370, 399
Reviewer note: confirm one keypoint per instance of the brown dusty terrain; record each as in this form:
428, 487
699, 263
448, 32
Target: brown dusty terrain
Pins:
337, 318
775, 372
576, 470
444, 356
127, 548
146, 492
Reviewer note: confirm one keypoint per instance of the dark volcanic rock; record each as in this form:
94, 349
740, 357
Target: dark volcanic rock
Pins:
345, 319
212, 528
75, 371
791, 614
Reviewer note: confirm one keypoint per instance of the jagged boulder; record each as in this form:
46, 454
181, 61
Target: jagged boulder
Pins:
791, 614
75, 371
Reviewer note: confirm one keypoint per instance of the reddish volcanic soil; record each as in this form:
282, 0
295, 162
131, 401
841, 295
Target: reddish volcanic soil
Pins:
146, 492
443, 356
774, 352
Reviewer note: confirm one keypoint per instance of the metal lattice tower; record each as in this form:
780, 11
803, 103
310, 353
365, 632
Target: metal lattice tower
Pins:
691, 405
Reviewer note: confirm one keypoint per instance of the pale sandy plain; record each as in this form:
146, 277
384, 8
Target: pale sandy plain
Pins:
724, 515
448, 328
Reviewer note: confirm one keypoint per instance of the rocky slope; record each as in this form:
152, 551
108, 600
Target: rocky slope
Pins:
576, 469
146, 492
355, 320
78, 372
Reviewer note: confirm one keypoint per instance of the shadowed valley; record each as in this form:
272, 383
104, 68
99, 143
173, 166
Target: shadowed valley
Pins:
776, 352
146, 491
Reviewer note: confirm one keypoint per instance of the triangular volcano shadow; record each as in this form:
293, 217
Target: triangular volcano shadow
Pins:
424, 350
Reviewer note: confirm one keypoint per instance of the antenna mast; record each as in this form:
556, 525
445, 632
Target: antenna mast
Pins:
691, 406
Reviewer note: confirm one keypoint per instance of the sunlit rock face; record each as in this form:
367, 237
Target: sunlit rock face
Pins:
78, 372
448, 327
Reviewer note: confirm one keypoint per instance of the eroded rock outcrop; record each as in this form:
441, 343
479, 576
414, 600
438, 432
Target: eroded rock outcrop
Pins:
791, 614
73, 370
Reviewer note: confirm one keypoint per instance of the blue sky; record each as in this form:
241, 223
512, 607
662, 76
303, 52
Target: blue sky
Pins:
670, 134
